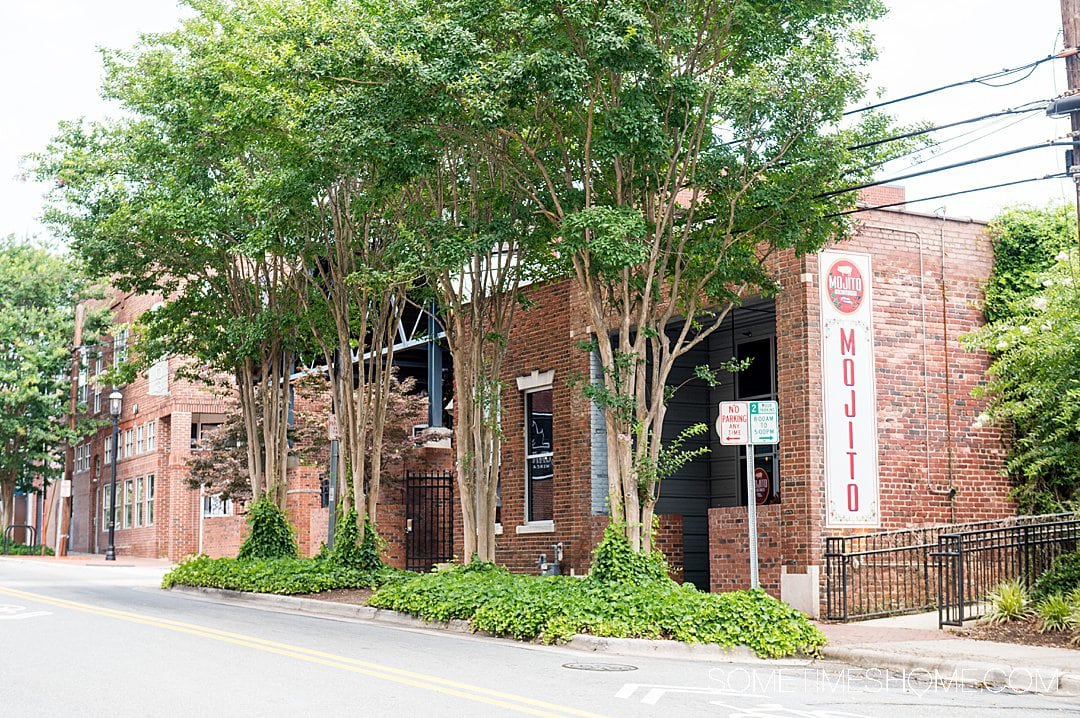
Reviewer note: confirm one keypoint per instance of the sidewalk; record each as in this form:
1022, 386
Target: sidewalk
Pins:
914, 646
95, 559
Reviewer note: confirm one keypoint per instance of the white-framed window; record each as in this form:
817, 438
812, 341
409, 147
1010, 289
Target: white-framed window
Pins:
129, 444
128, 494
200, 430
105, 495
149, 499
151, 436
120, 347
139, 505
140, 442
97, 401
539, 456
216, 505
97, 363
108, 450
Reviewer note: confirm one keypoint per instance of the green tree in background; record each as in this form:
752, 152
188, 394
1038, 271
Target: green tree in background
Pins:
39, 289
1033, 334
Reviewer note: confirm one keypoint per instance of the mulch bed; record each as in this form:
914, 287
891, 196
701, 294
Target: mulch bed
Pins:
357, 596
1024, 632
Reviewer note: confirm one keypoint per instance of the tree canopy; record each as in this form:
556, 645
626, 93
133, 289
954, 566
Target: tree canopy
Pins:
290, 171
39, 289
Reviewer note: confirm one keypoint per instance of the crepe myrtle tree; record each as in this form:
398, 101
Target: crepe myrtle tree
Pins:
671, 148
178, 198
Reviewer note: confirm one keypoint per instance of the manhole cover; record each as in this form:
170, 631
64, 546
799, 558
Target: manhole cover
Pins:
607, 667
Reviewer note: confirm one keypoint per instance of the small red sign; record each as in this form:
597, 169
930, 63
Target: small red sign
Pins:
762, 485
846, 286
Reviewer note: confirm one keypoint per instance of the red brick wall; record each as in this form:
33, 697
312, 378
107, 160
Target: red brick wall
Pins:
729, 555
910, 420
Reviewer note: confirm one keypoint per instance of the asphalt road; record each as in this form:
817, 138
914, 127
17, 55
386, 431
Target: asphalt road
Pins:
103, 640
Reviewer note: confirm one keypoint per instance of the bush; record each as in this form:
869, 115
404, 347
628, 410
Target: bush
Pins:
1055, 613
348, 551
281, 575
1009, 601
554, 608
1062, 577
615, 562
21, 549
270, 535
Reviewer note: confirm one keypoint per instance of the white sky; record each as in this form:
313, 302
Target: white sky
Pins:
52, 72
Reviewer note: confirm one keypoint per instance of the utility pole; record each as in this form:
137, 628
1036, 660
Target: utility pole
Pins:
1070, 28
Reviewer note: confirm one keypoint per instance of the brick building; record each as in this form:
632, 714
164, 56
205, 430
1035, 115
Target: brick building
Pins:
920, 455
158, 515
860, 349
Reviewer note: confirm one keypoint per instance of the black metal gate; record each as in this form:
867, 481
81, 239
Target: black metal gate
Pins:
429, 520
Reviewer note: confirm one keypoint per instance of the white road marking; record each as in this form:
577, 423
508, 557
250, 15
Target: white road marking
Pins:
11, 612
652, 693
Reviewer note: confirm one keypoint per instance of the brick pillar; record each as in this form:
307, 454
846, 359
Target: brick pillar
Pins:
798, 333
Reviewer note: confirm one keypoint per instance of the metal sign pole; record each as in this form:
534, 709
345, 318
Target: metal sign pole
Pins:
751, 515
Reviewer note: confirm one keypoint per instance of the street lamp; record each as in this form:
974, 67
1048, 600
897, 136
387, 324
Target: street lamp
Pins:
116, 403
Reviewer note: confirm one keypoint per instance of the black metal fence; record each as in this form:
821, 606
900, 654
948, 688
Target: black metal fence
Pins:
895, 572
429, 520
971, 563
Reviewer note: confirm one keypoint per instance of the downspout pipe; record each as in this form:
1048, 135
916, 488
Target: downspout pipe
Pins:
951, 491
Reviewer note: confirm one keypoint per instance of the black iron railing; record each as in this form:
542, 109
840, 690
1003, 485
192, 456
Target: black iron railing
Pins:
895, 572
971, 563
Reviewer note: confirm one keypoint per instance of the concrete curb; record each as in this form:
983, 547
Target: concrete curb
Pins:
943, 671
636, 647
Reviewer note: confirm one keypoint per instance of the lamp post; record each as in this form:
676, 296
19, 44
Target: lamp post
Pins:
116, 402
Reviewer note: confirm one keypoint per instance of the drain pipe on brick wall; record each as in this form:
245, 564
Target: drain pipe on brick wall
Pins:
949, 492
948, 372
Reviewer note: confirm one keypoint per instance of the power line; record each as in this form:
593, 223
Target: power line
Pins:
1059, 175
940, 149
986, 158
980, 80
949, 125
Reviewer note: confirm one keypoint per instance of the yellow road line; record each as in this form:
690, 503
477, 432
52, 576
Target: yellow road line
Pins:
424, 681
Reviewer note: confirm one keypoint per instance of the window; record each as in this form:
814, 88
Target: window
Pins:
139, 507
97, 363
120, 347
149, 499
539, 467
83, 383
200, 432
140, 442
128, 491
216, 505
106, 498
108, 450
151, 436
129, 444
97, 401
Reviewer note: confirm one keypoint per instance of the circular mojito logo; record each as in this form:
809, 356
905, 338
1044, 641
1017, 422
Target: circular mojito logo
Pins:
845, 286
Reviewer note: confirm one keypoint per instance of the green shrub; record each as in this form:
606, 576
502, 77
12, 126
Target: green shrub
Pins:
554, 608
21, 549
270, 535
349, 551
1055, 613
1062, 577
1009, 601
281, 575
615, 562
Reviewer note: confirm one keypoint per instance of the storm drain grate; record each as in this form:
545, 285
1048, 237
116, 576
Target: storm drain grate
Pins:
603, 667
